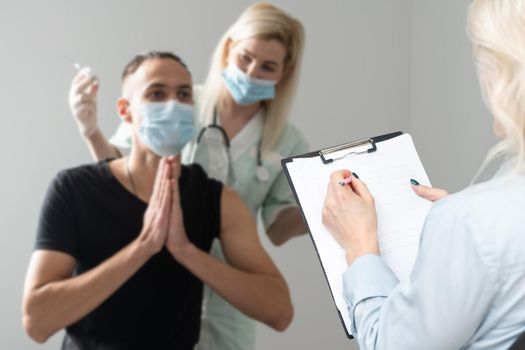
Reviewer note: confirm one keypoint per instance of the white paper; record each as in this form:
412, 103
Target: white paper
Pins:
400, 212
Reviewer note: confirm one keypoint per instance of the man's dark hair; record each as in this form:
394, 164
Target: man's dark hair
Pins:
137, 61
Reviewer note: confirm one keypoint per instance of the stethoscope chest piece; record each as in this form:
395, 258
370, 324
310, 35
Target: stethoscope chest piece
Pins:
262, 173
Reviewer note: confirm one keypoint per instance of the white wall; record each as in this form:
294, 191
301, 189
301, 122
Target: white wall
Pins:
450, 124
370, 67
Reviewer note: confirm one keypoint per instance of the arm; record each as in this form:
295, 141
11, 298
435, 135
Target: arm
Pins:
289, 224
100, 148
444, 301
282, 218
53, 299
83, 104
447, 299
250, 281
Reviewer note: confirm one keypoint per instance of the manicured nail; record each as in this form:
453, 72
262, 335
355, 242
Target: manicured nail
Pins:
414, 182
355, 175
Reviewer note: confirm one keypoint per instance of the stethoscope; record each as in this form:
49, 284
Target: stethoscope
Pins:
261, 172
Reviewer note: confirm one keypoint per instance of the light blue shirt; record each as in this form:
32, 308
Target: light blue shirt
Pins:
467, 288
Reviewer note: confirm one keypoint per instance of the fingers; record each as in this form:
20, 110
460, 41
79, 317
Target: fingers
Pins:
340, 175
165, 200
430, 193
82, 84
175, 197
81, 74
93, 89
175, 167
356, 185
175, 174
157, 184
82, 100
361, 189
337, 183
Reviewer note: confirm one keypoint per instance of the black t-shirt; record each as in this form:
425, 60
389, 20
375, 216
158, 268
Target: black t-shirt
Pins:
89, 215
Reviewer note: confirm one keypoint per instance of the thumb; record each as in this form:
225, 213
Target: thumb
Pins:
93, 88
361, 189
85, 71
430, 193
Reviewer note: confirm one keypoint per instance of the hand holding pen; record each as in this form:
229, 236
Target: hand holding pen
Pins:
349, 214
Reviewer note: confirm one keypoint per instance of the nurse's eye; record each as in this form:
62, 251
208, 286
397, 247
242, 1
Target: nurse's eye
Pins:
245, 59
268, 68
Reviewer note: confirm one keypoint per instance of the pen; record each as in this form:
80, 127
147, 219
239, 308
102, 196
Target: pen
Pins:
345, 181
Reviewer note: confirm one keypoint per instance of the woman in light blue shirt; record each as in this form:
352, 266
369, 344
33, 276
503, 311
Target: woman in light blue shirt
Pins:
467, 287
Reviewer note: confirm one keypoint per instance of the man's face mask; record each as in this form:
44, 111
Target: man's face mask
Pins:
244, 89
166, 127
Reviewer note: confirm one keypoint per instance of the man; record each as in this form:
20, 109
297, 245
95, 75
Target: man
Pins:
121, 252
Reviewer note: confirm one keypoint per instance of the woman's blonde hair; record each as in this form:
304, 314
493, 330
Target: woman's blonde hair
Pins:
265, 21
497, 31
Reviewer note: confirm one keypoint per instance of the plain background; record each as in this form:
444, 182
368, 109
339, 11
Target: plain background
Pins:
370, 66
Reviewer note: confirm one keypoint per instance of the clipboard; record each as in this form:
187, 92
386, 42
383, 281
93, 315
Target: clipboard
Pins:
332, 157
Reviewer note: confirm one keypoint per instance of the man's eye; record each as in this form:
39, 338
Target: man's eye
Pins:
184, 95
245, 58
156, 94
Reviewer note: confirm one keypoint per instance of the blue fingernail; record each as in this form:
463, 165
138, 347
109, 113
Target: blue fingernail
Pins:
414, 182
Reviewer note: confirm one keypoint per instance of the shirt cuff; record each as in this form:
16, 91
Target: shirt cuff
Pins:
368, 277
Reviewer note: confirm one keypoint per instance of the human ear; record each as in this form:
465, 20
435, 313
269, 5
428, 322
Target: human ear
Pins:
123, 110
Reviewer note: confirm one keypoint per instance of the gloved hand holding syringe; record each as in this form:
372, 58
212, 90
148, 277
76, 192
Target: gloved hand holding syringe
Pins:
83, 99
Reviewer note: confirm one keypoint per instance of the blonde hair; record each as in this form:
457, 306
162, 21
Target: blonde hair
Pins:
265, 21
497, 31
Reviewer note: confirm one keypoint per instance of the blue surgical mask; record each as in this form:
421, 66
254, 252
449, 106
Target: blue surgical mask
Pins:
166, 127
244, 89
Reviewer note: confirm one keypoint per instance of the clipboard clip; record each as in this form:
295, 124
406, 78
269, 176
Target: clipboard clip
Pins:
328, 155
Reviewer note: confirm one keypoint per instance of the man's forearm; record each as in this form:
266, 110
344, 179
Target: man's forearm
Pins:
55, 305
264, 297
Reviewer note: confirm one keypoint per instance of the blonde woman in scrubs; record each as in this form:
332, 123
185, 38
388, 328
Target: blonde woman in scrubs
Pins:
245, 102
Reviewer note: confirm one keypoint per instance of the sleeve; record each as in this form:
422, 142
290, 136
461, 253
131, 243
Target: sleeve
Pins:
280, 196
215, 195
210, 191
57, 229
449, 292
122, 137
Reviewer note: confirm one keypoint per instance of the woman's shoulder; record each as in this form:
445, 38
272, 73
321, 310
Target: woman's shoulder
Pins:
486, 208
497, 193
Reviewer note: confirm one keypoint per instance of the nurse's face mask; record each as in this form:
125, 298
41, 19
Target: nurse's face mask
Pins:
255, 66
166, 127
246, 90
